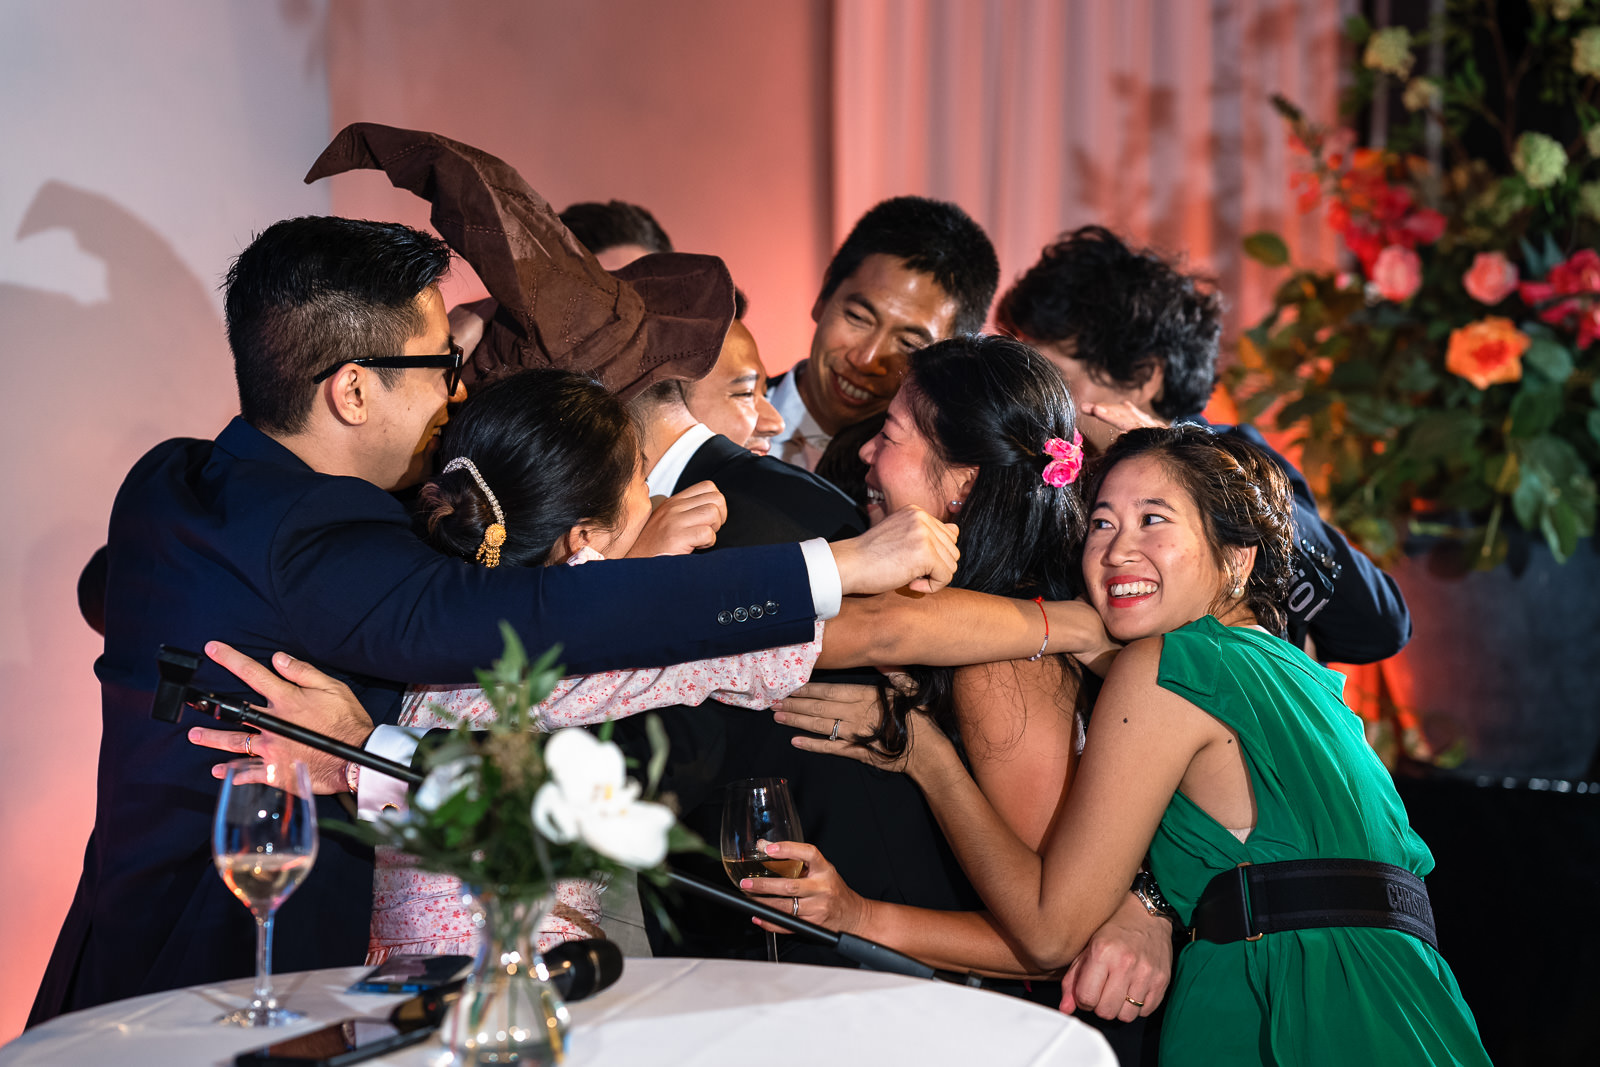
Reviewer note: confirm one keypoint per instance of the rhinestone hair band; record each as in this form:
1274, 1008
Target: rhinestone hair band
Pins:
495, 535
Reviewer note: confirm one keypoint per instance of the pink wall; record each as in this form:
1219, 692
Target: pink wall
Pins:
161, 137
713, 115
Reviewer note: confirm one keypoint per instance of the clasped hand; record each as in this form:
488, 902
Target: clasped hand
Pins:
846, 715
303, 695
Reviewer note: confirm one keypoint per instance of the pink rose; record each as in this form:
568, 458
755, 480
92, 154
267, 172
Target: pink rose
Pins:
1397, 273
1066, 460
1492, 278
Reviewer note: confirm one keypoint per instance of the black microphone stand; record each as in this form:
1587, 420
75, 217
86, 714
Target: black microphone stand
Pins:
173, 692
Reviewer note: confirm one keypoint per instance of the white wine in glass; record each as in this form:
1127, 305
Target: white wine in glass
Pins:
264, 842
758, 810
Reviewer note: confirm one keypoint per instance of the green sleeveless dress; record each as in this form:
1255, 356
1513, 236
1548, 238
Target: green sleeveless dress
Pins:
1348, 995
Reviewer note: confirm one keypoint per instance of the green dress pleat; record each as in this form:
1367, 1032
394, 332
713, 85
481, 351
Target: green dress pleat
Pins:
1348, 995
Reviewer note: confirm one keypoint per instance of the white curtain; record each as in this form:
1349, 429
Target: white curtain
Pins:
1151, 117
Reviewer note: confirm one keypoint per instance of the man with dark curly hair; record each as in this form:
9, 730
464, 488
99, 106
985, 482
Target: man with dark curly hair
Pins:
1137, 340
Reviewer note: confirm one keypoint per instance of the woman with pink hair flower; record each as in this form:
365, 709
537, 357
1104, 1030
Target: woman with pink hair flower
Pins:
983, 434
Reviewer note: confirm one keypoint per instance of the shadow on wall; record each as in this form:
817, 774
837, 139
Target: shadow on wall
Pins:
90, 387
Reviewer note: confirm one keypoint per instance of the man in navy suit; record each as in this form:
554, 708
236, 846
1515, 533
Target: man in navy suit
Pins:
281, 534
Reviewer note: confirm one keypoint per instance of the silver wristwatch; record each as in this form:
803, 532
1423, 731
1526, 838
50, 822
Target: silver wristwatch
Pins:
1149, 894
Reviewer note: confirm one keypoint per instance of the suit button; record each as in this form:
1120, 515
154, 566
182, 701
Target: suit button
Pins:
740, 615
772, 607
755, 611
724, 618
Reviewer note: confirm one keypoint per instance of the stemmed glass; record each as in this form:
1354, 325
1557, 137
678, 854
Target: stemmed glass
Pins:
264, 842
755, 811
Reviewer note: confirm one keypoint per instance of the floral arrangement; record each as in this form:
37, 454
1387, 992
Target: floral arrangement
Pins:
1446, 381
510, 810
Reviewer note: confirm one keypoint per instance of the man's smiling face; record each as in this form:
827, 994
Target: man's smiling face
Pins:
867, 329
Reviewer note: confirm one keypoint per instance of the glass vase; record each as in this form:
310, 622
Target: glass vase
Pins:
509, 1010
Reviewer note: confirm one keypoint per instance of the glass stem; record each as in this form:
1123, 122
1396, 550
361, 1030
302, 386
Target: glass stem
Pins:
772, 946
264, 963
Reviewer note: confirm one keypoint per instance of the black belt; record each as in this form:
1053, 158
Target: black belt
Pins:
1267, 898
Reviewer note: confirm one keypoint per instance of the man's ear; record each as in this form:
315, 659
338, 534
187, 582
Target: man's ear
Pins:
347, 394
1151, 390
816, 309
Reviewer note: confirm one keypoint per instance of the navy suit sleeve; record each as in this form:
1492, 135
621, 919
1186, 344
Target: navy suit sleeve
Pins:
1351, 609
365, 595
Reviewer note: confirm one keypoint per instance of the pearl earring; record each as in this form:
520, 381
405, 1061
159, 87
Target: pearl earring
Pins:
1238, 591
955, 505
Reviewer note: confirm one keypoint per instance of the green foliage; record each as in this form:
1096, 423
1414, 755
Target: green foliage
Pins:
1389, 429
483, 831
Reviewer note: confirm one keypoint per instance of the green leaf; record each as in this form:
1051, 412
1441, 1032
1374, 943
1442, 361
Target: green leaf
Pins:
659, 745
1550, 359
1560, 529
1441, 434
1267, 247
1534, 409
1594, 422
1528, 500
1357, 29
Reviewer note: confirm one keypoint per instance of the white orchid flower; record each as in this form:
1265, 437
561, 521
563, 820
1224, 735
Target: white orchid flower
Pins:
446, 780
589, 796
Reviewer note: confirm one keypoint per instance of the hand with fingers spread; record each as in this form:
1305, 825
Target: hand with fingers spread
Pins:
303, 695
1122, 973
910, 548
820, 896
683, 522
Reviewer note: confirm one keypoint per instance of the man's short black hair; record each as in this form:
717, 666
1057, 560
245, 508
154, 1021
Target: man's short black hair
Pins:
600, 226
315, 291
1125, 310
934, 238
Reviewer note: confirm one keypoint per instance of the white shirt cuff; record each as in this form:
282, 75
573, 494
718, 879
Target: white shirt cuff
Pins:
377, 791
827, 592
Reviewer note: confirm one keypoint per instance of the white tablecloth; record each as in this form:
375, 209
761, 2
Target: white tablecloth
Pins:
663, 1012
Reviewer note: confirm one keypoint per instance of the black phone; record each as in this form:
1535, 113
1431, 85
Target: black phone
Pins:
411, 974
347, 1041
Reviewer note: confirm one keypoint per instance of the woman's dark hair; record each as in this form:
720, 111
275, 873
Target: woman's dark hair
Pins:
1243, 497
1126, 311
992, 402
555, 448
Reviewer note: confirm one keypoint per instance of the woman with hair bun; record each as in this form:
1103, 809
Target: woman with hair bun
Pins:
1227, 755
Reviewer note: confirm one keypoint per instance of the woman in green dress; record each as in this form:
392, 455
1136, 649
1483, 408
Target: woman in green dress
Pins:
1214, 744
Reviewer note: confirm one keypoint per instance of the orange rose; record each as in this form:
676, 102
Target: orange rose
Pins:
1487, 352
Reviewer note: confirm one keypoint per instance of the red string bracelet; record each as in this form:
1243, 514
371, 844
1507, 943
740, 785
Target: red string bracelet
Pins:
1039, 600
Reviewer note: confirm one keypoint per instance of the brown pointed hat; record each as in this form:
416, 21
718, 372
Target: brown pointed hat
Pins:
662, 316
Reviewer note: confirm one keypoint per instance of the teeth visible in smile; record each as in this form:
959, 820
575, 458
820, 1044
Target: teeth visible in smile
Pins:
1133, 588
852, 392
874, 496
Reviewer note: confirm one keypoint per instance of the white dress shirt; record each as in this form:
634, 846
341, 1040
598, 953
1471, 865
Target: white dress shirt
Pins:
802, 441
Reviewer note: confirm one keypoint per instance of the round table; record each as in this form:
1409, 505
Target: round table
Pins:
662, 1012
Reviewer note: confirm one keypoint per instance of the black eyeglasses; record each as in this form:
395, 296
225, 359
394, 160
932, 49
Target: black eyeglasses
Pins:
449, 361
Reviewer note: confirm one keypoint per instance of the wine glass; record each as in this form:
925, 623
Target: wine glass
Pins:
264, 842
758, 810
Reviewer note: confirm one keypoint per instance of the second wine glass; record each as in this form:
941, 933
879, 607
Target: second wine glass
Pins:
264, 842
755, 811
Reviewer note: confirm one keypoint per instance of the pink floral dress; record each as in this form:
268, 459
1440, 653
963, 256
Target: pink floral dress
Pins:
419, 912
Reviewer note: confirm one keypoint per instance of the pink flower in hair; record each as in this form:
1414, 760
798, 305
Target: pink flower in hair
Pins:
1066, 460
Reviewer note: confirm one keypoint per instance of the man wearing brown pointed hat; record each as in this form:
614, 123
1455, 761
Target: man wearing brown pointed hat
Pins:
281, 535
